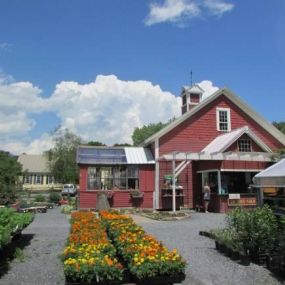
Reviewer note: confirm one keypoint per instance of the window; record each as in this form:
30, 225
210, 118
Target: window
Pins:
38, 179
28, 179
223, 120
133, 177
110, 177
183, 100
50, 179
244, 145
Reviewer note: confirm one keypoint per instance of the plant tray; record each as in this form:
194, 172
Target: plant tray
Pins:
110, 282
160, 280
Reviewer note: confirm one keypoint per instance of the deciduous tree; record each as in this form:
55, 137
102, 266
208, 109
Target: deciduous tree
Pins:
10, 172
62, 158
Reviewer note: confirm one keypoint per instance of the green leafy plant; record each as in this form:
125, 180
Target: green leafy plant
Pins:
40, 198
256, 229
12, 223
54, 197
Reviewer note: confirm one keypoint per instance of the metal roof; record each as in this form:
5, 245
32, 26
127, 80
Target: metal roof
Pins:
276, 170
224, 141
273, 176
34, 163
139, 155
114, 155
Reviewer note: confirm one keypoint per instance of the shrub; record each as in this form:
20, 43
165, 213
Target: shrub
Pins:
256, 230
40, 198
54, 197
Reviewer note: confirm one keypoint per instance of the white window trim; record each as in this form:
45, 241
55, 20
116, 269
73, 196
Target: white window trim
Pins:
228, 110
250, 144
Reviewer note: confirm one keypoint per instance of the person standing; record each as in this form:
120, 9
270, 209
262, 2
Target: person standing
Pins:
207, 196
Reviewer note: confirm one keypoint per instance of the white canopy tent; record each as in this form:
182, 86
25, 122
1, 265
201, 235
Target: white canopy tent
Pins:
273, 176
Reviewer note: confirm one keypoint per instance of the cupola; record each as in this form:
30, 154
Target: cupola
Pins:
191, 96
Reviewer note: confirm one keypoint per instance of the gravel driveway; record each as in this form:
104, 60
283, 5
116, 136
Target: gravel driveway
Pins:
47, 234
41, 266
206, 266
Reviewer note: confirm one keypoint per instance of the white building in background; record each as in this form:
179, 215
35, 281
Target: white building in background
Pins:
37, 175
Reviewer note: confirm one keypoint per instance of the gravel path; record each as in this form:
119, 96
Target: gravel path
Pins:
206, 266
46, 238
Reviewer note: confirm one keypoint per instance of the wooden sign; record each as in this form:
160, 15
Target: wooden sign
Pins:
244, 201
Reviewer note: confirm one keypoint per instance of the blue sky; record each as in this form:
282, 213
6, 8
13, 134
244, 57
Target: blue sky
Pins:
102, 68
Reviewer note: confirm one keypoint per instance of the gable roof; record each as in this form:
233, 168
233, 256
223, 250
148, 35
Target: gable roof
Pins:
196, 89
224, 141
36, 163
233, 98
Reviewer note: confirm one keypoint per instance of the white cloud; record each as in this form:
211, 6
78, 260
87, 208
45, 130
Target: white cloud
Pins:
20, 96
172, 11
4, 45
217, 7
36, 146
15, 123
18, 101
181, 11
208, 87
105, 110
109, 109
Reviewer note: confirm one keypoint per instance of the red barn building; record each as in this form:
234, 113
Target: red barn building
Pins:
218, 140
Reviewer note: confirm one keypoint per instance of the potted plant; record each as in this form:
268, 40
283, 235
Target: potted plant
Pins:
136, 193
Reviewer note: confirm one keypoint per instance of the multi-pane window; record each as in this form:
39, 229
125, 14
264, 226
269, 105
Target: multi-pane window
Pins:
38, 179
50, 179
223, 120
113, 177
244, 145
28, 179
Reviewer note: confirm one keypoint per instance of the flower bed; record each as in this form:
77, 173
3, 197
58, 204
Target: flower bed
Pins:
12, 223
89, 257
145, 257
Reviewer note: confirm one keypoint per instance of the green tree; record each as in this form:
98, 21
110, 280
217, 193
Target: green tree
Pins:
62, 158
96, 143
141, 134
10, 172
122, 144
280, 126
279, 154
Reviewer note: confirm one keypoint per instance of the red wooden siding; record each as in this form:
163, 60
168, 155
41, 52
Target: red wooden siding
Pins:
199, 130
121, 198
231, 164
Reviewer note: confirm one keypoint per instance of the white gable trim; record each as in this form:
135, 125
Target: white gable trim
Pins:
237, 101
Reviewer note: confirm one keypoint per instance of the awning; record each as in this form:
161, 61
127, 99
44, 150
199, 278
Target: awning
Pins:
273, 176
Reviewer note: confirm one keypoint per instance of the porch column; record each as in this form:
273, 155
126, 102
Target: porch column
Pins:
219, 182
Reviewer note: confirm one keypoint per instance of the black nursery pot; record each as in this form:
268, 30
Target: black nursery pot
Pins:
160, 280
244, 260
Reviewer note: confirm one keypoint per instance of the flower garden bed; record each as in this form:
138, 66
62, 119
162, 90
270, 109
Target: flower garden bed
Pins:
89, 257
97, 248
148, 260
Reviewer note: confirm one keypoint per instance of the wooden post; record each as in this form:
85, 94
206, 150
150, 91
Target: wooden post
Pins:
173, 185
